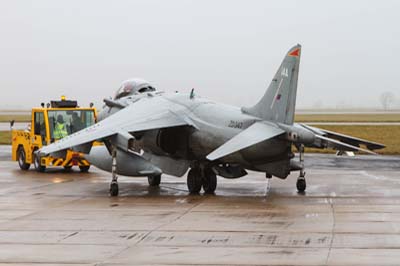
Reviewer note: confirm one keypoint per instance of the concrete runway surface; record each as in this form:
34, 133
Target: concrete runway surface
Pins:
350, 215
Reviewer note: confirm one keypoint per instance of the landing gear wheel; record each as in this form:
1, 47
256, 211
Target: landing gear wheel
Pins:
154, 181
84, 169
36, 163
209, 181
114, 183
301, 184
114, 190
194, 181
301, 180
22, 159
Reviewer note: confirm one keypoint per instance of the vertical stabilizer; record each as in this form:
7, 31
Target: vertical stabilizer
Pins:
279, 101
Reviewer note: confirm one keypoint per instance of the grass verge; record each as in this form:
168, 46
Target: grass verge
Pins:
5, 137
16, 117
347, 118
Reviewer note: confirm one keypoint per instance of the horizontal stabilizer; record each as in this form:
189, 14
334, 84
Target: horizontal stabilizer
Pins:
348, 139
345, 138
254, 134
338, 145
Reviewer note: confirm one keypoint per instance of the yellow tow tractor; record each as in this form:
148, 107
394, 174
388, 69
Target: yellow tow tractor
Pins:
51, 123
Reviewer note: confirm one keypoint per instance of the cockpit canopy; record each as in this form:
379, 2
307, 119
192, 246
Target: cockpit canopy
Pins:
132, 87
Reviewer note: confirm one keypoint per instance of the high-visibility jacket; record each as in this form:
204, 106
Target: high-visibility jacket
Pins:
60, 131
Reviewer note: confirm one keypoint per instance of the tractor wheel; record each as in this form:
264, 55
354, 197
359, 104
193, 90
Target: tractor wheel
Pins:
21, 156
37, 165
84, 169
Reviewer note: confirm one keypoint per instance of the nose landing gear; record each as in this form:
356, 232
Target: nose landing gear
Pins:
114, 190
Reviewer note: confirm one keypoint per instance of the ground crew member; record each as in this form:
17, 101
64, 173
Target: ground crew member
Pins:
76, 123
60, 129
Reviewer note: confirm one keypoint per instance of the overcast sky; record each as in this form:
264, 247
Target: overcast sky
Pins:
226, 50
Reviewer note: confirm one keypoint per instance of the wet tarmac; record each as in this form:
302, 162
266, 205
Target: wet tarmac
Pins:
350, 215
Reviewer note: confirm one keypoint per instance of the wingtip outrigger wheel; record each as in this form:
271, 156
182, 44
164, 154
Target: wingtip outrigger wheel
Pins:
114, 189
301, 184
301, 180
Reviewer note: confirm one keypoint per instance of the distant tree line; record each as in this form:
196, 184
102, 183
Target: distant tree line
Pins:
387, 99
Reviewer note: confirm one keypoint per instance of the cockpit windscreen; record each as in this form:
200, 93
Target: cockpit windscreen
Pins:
131, 88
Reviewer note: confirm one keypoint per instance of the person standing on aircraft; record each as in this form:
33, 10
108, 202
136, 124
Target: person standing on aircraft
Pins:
60, 129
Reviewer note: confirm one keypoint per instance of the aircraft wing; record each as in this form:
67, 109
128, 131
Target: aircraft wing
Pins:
145, 114
252, 135
343, 142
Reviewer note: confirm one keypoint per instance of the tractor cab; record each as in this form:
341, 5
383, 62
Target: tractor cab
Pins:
50, 123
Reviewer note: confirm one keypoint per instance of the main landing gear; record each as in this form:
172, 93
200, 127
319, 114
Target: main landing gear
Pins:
199, 177
301, 180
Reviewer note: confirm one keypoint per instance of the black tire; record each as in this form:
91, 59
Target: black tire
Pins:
21, 158
84, 169
194, 181
209, 181
114, 190
68, 168
301, 185
36, 163
154, 181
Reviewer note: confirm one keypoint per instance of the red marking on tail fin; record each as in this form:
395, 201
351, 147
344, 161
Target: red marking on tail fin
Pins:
295, 52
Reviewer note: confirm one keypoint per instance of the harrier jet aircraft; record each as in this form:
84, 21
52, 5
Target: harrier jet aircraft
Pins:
147, 132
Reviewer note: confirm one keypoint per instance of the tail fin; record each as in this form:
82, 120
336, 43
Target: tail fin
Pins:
279, 101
